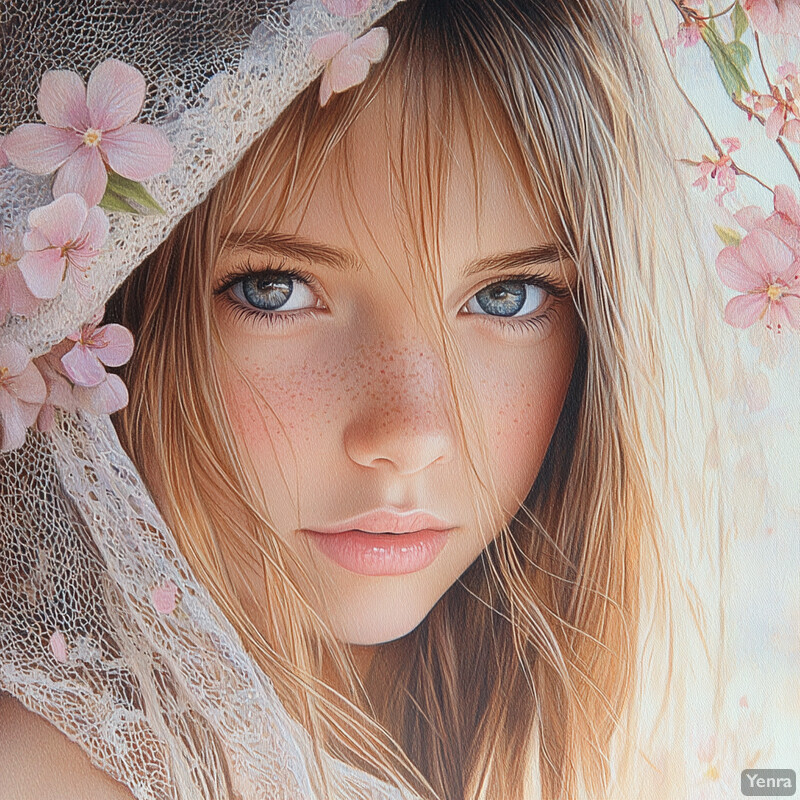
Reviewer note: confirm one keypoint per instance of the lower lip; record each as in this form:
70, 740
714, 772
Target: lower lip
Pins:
381, 553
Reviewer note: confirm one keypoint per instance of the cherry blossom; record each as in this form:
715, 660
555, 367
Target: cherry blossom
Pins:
721, 170
63, 239
688, 36
15, 296
347, 62
22, 392
776, 17
783, 114
784, 222
636, 20
96, 347
88, 130
346, 8
164, 597
58, 647
768, 274
59, 388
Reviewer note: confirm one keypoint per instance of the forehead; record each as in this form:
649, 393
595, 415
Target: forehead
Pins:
401, 188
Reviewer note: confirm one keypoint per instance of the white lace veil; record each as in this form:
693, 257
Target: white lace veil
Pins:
82, 547
170, 705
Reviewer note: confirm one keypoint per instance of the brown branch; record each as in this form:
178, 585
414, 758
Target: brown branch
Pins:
761, 59
779, 141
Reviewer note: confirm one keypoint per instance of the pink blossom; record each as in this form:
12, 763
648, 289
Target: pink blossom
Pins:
96, 348
15, 296
768, 274
59, 388
784, 222
774, 17
164, 597
636, 20
721, 170
22, 392
346, 8
107, 397
89, 129
63, 239
688, 36
347, 62
58, 647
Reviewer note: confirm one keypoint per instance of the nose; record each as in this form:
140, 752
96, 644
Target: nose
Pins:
401, 419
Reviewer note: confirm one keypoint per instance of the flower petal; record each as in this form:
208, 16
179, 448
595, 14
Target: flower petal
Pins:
21, 300
60, 221
346, 70
58, 647
372, 45
28, 386
325, 91
14, 357
110, 396
346, 8
786, 204
164, 597
765, 253
737, 274
327, 46
772, 127
788, 310
115, 94
83, 366
94, 230
40, 149
43, 271
118, 345
745, 309
83, 173
791, 130
137, 151
750, 217
62, 100
14, 427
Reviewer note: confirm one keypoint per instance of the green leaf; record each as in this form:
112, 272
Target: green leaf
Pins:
125, 195
729, 237
729, 59
113, 202
740, 21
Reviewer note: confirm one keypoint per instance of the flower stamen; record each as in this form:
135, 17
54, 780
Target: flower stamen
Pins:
92, 137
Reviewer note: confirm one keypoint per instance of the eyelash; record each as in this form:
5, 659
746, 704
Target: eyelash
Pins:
283, 319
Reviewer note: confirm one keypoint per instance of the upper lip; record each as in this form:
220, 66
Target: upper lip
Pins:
387, 521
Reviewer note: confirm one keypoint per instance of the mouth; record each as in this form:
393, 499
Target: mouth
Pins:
383, 542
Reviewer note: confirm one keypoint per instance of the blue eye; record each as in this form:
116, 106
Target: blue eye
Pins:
511, 298
274, 291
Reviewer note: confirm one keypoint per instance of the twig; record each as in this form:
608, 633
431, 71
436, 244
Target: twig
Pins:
761, 59
696, 15
779, 141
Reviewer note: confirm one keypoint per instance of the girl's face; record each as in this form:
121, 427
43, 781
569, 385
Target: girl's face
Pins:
344, 403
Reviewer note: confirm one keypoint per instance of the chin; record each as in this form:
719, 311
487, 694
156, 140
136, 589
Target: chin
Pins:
381, 618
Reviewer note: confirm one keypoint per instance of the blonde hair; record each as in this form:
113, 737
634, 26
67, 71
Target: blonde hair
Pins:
532, 653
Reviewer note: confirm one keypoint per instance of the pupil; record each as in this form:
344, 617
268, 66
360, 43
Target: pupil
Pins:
267, 293
502, 299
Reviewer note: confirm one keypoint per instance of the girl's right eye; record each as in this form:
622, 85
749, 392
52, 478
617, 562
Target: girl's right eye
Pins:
274, 292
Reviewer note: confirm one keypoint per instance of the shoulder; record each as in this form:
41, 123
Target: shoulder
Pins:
38, 762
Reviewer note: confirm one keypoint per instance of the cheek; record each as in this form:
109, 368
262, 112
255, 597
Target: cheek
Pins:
521, 398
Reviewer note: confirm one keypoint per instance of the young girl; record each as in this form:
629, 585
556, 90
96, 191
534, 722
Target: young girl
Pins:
401, 392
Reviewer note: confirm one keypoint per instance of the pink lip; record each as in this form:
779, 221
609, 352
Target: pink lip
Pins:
383, 542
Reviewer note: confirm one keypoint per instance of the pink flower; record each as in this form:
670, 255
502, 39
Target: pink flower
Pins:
784, 222
89, 129
347, 62
59, 389
64, 238
722, 170
22, 392
164, 597
58, 647
768, 273
774, 17
688, 36
15, 296
636, 20
96, 348
346, 8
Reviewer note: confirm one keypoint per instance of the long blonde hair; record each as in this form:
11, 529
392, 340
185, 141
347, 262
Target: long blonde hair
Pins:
532, 653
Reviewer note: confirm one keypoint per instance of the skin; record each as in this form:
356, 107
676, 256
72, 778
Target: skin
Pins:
347, 406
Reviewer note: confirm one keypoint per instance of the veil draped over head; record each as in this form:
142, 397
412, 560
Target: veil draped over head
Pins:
104, 631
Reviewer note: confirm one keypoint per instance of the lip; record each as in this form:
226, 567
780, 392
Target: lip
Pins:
383, 542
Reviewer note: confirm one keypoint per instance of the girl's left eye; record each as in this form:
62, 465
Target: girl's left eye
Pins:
274, 291
510, 298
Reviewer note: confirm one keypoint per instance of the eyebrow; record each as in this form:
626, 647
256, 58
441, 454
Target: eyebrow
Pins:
295, 247
288, 246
